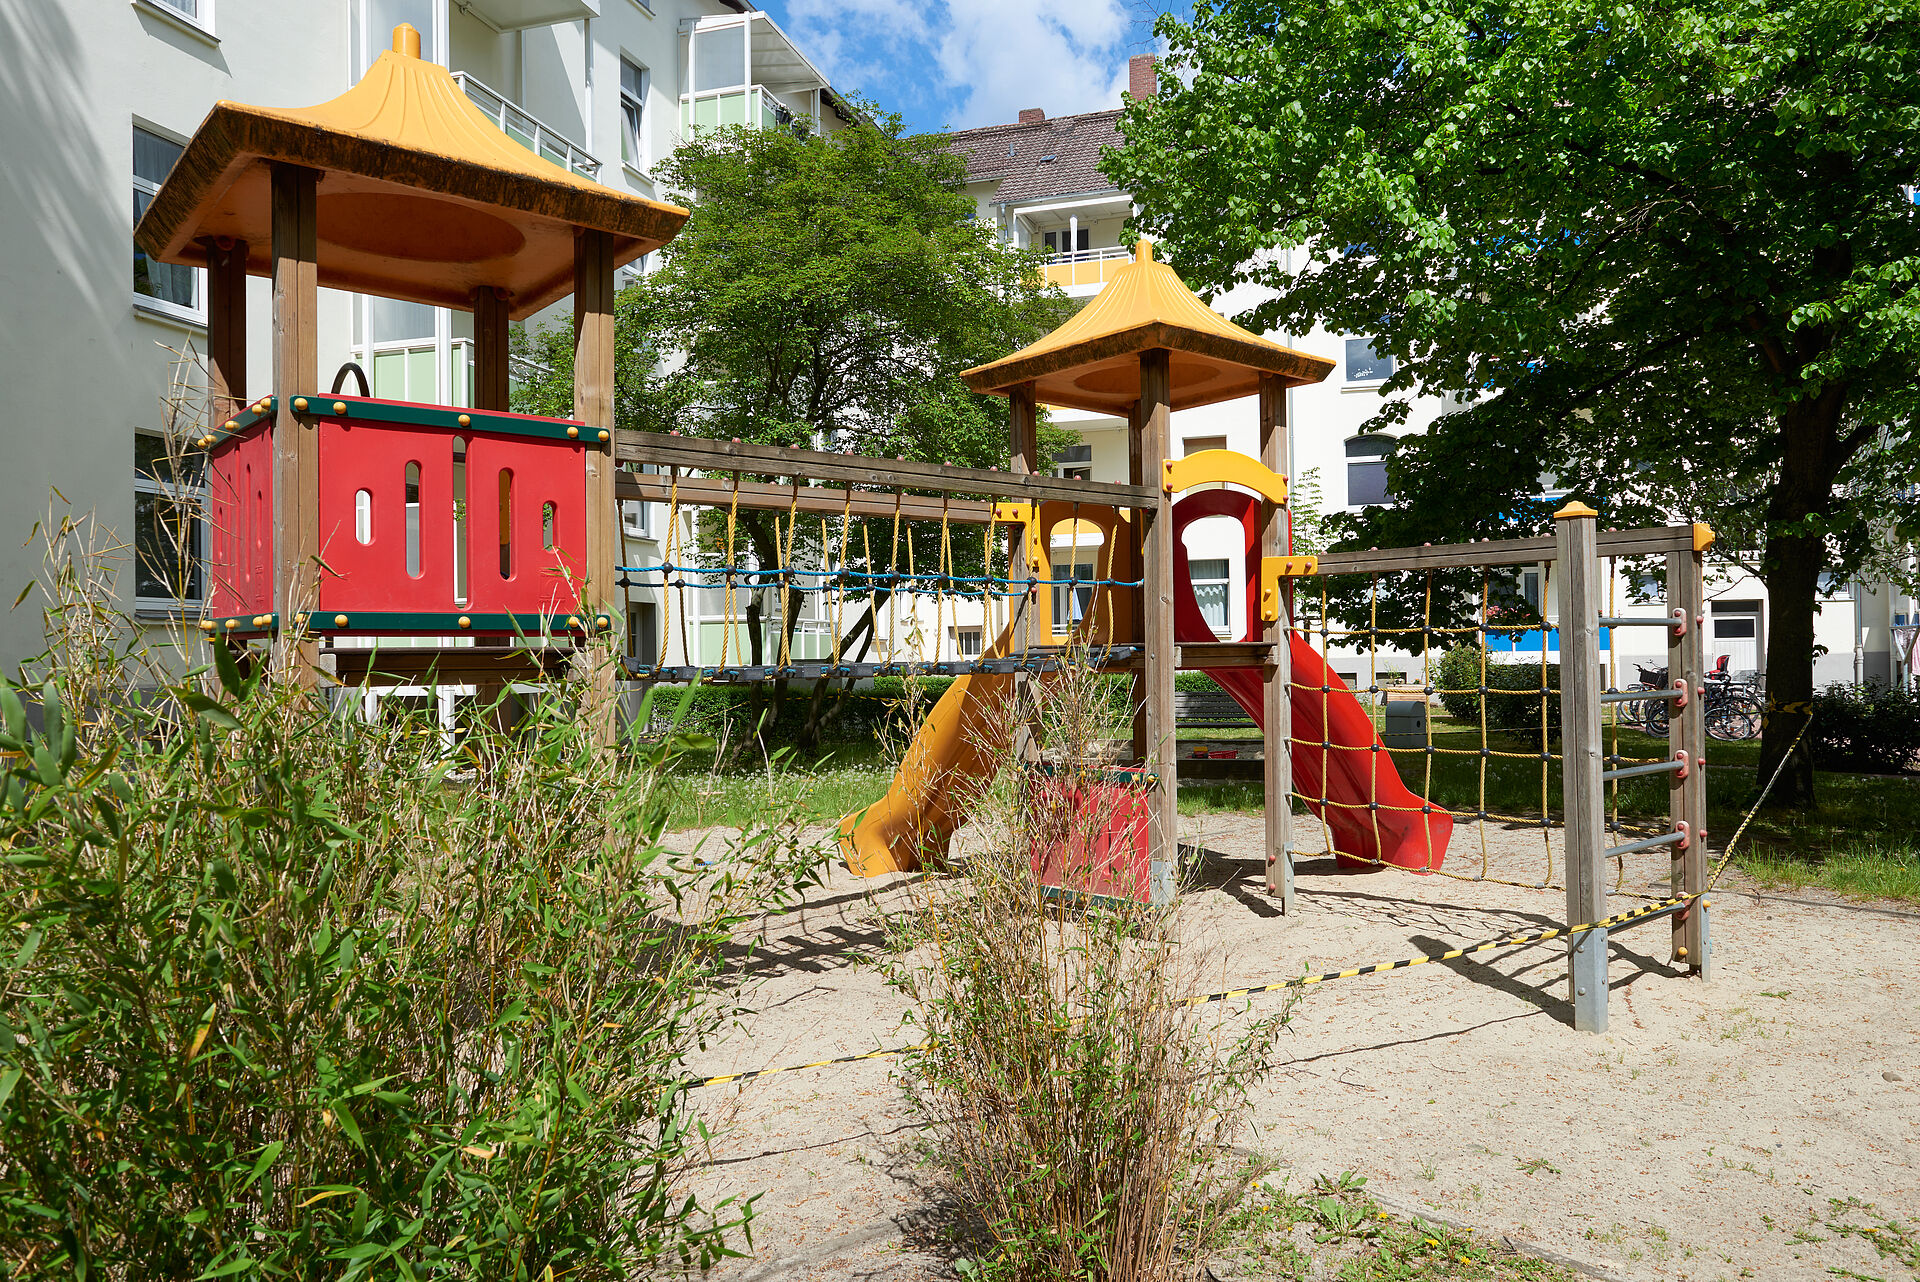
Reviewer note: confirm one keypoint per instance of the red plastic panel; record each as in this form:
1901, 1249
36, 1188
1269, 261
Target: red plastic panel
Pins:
1091, 832
357, 456
512, 570
240, 525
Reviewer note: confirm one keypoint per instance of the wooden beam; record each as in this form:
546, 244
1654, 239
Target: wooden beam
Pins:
1687, 732
1156, 440
1582, 795
824, 500
593, 360
490, 348
226, 326
296, 444
698, 453
1023, 454
1136, 557
1531, 551
1276, 700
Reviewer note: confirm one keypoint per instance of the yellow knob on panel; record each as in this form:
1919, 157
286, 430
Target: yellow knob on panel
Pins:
573, 431
232, 623
233, 425
339, 407
465, 622
339, 620
605, 435
300, 403
573, 620
466, 420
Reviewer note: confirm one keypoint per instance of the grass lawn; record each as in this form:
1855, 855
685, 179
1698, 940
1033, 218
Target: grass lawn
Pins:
1860, 842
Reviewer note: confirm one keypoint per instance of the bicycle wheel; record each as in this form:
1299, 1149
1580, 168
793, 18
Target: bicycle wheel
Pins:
1653, 717
1733, 718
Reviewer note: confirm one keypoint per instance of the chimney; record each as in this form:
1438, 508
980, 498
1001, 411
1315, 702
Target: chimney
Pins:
1142, 80
1032, 115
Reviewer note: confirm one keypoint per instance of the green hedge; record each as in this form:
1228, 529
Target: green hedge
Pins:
1457, 678
1865, 728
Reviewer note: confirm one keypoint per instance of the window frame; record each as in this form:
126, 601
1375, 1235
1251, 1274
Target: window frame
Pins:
1346, 362
196, 313
1225, 582
200, 21
638, 134
1370, 461
1069, 605
191, 494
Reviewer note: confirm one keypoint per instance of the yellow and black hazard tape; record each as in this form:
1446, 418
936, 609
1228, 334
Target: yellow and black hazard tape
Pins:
1505, 941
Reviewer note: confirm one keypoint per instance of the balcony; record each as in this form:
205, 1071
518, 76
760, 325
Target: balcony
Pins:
716, 108
527, 129
1086, 267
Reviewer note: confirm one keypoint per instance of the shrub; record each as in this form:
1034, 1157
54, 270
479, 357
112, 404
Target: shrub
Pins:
290, 995
1077, 1104
1870, 728
1457, 679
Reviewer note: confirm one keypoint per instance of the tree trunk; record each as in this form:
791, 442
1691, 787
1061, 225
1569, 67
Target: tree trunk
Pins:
1810, 459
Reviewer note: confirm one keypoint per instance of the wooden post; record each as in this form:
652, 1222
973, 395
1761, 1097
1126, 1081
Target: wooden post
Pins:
1160, 660
296, 443
226, 325
1277, 727
1687, 732
593, 349
1023, 457
1136, 553
490, 348
1576, 562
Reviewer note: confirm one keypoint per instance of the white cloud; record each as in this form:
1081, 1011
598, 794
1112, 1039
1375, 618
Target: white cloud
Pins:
974, 62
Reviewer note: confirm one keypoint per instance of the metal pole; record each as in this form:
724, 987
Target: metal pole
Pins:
1581, 759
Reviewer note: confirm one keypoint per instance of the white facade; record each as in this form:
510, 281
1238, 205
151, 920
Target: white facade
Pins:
100, 93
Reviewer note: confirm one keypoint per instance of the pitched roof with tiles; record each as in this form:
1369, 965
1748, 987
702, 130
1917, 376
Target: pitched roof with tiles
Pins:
1041, 159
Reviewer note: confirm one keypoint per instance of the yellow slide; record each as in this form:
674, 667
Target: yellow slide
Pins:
947, 766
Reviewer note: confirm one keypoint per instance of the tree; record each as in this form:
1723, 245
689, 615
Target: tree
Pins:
826, 291
1663, 253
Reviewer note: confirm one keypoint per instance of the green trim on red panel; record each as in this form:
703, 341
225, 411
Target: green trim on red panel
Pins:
362, 410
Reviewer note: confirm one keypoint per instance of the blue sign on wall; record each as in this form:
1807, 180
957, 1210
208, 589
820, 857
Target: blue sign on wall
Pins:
1522, 642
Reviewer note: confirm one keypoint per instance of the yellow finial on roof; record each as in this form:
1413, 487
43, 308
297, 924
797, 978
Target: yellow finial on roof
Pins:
1143, 250
406, 40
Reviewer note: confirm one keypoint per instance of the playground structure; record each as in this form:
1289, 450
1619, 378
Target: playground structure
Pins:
487, 539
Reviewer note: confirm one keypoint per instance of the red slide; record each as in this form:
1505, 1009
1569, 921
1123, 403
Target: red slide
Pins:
1373, 816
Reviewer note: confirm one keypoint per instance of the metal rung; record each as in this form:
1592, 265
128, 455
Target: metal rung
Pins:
1650, 768
1623, 621
1646, 843
1633, 696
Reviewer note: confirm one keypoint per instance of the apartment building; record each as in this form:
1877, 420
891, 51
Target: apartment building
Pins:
1038, 180
101, 94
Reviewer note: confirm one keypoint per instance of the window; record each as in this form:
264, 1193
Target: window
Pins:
1527, 583
968, 642
1072, 593
1066, 240
1364, 365
1832, 584
633, 109
637, 519
169, 531
197, 12
643, 641
167, 287
1195, 444
1209, 580
1075, 463
1367, 470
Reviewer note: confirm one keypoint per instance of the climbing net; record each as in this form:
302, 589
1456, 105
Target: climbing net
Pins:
913, 574
1489, 756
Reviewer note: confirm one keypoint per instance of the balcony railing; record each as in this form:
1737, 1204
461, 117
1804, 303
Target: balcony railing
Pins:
740, 105
527, 129
1086, 266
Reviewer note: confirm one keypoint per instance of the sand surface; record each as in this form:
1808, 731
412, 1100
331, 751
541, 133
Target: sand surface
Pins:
1702, 1136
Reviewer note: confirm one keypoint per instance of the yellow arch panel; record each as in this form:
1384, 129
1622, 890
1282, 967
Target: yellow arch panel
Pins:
1229, 466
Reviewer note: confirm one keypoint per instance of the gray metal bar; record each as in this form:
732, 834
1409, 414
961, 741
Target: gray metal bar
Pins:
1628, 621
1646, 843
1634, 696
1651, 768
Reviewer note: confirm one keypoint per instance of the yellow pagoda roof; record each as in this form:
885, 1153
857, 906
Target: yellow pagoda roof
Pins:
420, 195
1092, 361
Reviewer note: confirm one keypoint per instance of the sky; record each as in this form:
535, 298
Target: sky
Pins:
956, 64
